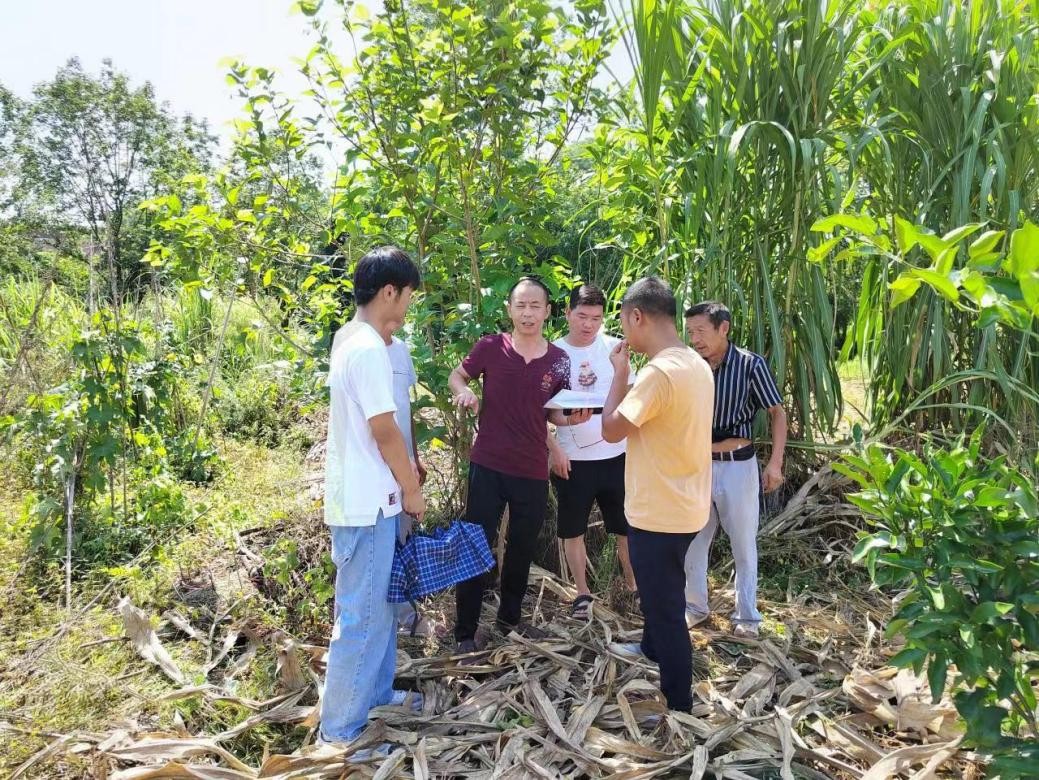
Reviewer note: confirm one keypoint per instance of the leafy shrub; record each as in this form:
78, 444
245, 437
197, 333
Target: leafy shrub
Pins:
262, 406
307, 595
103, 536
961, 532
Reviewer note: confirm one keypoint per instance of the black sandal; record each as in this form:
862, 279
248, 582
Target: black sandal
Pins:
581, 609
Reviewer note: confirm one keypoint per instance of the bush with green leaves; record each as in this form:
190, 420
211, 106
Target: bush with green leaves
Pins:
305, 592
264, 405
985, 280
959, 532
99, 444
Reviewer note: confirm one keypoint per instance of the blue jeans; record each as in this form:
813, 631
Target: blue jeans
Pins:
362, 653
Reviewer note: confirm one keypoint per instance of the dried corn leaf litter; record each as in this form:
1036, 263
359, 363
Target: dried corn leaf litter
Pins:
565, 707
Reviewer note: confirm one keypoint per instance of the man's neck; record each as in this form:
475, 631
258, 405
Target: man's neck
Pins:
522, 343
716, 360
571, 340
369, 317
662, 338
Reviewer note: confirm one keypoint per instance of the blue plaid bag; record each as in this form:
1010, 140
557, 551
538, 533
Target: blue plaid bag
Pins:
429, 563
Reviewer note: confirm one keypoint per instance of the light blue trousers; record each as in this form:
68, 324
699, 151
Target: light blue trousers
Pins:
735, 488
362, 653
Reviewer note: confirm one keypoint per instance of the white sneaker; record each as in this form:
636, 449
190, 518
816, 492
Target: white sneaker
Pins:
694, 618
746, 630
629, 651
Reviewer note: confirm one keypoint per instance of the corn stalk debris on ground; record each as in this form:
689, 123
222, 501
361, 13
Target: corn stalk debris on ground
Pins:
822, 706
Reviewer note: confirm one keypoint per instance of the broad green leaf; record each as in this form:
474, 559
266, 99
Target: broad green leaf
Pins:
984, 244
956, 235
937, 671
989, 610
934, 246
868, 543
818, 253
902, 289
1024, 250
937, 281
1030, 290
907, 235
860, 223
911, 656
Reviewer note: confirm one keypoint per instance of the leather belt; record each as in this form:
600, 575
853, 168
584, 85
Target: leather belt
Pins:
739, 454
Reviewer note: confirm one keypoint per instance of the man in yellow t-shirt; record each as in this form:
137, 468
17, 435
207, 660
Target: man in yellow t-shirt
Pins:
666, 418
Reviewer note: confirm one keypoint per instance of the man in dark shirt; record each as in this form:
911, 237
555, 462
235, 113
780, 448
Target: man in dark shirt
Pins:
743, 385
508, 464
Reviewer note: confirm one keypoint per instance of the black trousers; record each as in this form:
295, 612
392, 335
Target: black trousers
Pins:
658, 561
489, 493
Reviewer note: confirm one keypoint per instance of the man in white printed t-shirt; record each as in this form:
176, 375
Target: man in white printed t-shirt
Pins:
586, 469
369, 481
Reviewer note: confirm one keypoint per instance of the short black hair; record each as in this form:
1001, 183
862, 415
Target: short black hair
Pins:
530, 280
651, 296
587, 295
380, 267
716, 311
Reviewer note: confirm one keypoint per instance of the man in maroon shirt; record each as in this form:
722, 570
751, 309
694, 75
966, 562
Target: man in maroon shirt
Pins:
508, 464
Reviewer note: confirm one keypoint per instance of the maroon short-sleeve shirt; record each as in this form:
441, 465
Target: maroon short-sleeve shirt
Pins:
511, 433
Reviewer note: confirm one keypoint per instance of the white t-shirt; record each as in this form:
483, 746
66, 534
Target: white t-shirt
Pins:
404, 377
358, 482
590, 371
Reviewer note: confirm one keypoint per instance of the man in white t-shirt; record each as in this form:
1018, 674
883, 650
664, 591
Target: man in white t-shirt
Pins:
586, 469
369, 481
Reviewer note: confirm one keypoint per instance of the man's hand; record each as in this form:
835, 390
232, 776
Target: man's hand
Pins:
467, 400
559, 462
415, 504
772, 476
578, 416
620, 359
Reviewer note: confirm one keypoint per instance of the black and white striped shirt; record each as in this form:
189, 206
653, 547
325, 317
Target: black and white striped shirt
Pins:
743, 384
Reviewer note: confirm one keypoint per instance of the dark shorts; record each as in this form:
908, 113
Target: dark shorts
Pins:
591, 482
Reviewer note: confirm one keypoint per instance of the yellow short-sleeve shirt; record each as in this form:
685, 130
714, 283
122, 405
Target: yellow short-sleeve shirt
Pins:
667, 475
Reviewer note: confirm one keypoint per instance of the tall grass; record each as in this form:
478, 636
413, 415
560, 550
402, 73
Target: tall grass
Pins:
954, 138
760, 116
38, 322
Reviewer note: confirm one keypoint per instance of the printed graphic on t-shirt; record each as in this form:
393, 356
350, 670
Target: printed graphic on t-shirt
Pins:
586, 377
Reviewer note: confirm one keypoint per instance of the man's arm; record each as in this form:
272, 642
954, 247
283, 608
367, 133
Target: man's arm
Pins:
772, 476
615, 426
461, 393
394, 451
414, 451
558, 460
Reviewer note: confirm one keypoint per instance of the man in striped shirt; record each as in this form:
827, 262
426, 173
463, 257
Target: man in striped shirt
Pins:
743, 385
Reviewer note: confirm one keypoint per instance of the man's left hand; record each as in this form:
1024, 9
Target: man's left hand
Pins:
772, 477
